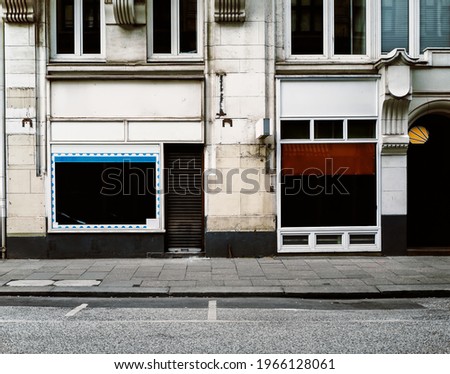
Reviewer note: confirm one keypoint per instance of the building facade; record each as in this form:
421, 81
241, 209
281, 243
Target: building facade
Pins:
135, 128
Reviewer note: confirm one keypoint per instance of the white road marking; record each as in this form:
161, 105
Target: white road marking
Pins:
212, 310
76, 310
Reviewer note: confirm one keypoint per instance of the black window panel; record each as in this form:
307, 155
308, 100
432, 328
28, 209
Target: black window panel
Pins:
188, 26
295, 239
362, 239
328, 239
85, 193
307, 27
327, 200
328, 129
65, 38
349, 27
295, 130
361, 129
91, 27
162, 29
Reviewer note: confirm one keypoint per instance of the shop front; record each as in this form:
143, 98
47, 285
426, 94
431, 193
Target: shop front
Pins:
328, 165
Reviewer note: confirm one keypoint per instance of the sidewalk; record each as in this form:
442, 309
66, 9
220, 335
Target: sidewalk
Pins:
305, 277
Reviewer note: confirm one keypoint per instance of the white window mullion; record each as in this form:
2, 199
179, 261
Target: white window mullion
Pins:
175, 19
328, 28
414, 29
78, 27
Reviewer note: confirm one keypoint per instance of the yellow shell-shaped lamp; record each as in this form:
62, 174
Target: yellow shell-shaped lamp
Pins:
418, 135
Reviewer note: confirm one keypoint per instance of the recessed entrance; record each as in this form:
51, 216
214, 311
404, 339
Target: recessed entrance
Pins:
429, 183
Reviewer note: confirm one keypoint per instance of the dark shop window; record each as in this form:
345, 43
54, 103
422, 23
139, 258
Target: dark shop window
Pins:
326, 185
102, 192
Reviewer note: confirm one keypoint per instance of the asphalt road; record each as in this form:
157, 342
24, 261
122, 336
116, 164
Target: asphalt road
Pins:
251, 325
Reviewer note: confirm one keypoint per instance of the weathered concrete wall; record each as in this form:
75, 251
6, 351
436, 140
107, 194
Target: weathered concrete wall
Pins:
240, 55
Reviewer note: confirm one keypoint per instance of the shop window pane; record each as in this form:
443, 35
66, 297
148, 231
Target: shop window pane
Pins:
361, 129
307, 27
394, 24
350, 27
295, 130
434, 24
188, 26
295, 239
362, 239
328, 239
91, 26
104, 192
329, 129
327, 159
162, 30
65, 38
328, 185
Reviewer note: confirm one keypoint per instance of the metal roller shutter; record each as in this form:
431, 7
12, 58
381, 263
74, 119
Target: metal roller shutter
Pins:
184, 198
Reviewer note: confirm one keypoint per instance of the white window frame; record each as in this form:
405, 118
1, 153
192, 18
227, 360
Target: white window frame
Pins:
328, 34
344, 231
78, 44
155, 225
312, 232
175, 41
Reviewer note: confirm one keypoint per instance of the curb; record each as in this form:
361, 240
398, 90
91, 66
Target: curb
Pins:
228, 292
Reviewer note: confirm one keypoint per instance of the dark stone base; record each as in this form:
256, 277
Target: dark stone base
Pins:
240, 244
85, 246
394, 235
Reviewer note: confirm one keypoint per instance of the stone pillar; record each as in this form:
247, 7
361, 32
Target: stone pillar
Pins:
395, 99
240, 207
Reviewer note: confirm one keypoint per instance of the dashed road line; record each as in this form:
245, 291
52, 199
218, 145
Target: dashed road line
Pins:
212, 310
76, 310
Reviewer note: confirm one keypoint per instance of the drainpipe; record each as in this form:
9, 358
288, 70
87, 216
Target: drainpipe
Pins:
2, 143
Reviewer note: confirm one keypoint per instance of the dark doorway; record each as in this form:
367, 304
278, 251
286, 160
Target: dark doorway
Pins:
184, 197
428, 217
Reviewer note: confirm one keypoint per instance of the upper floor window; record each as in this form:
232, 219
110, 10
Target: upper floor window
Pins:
77, 26
328, 27
174, 28
415, 25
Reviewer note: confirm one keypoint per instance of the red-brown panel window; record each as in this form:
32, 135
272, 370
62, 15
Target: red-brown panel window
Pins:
328, 159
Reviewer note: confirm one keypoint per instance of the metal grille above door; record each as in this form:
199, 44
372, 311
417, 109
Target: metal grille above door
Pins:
184, 198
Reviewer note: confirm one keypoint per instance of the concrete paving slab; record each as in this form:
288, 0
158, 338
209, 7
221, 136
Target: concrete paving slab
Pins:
172, 275
94, 275
65, 276
157, 283
130, 283
25, 291
41, 275
77, 283
31, 283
